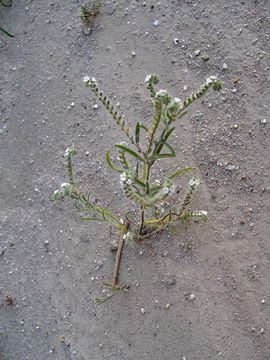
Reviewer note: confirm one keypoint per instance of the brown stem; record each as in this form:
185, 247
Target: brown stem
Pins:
118, 255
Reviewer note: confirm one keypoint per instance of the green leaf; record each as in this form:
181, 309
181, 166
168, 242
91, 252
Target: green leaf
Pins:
180, 172
137, 133
96, 219
131, 152
138, 181
169, 133
110, 164
161, 156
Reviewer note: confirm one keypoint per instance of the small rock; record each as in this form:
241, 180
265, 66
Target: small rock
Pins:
205, 57
185, 88
191, 297
263, 121
113, 245
230, 167
242, 221
197, 52
262, 331
133, 53
225, 66
235, 126
263, 301
176, 41
244, 177
95, 106
62, 338
236, 80
156, 23
170, 282
167, 306
87, 30
142, 310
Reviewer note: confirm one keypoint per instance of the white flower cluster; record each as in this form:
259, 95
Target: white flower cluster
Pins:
168, 187
129, 236
147, 79
163, 96
88, 79
202, 213
175, 105
210, 80
66, 189
152, 77
125, 178
194, 181
70, 151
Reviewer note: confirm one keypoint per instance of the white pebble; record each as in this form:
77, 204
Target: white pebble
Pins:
176, 41
95, 106
191, 296
156, 23
225, 66
142, 310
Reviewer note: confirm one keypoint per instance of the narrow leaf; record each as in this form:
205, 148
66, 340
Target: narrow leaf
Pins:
110, 164
131, 152
180, 172
137, 133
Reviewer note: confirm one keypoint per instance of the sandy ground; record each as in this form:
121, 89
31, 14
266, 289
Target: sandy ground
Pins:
52, 264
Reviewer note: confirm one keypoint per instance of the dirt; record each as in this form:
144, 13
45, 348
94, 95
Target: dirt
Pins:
203, 294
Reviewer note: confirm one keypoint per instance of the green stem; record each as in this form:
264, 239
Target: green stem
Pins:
7, 33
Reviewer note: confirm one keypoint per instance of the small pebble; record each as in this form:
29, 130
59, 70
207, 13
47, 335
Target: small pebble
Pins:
95, 106
167, 306
225, 66
235, 126
176, 41
72, 104
205, 57
236, 81
230, 167
263, 121
62, 338
263, 301
133, 53
142, 310
191, 297
242, 221
113, 245
156, 23
262, 331
197, 52
185, 88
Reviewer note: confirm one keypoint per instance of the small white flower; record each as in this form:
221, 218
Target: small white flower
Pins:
166, 190
93, 80
65, 184
204, 213
162, 93
86, 79
194, 181
123, 177
70, 151
129, 182
208, 81
213, 77
147, 79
